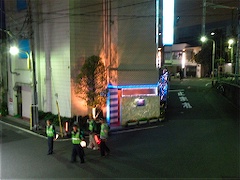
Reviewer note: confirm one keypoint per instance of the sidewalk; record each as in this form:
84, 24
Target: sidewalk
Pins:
22, 123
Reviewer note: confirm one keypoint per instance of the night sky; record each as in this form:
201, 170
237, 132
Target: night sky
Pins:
191, 11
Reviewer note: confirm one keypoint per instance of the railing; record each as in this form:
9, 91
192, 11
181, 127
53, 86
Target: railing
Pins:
228, 87
229, 79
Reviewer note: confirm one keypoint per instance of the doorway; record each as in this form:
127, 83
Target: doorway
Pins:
19, 101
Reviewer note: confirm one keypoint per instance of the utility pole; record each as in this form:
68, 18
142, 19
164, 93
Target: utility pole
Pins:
4, 77
238, 47
213, 5
35, 95
204, 17
3, 62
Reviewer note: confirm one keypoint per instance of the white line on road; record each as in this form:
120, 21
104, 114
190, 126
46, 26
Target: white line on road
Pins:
175, 90
25, 130
208, 84
133, 130
33, 133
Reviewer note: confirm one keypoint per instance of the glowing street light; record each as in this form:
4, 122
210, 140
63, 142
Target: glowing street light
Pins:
203, 38
14, 51
230, 41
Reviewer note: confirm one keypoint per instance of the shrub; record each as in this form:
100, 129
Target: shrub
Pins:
143, 119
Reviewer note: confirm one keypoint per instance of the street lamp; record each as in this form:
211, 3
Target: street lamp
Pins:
34, 116
14, 50
204, 39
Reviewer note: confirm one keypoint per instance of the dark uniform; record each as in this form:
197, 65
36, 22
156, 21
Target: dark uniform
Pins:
51, 134
77, 148
103, 136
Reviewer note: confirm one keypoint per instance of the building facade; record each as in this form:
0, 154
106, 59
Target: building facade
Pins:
59, 35
180, 57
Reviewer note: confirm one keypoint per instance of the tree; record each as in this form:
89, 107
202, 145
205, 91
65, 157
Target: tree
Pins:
91, 82
204, 57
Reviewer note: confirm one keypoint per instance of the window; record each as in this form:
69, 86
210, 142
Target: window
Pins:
21, 5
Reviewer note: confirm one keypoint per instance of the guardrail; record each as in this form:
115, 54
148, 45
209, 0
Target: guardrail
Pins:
230, 90
230, 79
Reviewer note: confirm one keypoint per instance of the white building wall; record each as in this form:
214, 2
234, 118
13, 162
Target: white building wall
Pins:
26, 101
55, 59
18, 72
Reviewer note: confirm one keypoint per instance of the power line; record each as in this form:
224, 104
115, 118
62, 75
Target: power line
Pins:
92, 13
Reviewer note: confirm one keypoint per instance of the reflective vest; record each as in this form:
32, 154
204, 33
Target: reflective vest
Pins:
104, 131
75, 138
90, 125
50, 131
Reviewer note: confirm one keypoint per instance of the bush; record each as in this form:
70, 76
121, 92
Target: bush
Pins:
153, 118
143, 119
4, 109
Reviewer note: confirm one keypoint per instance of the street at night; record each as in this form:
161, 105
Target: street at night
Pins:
151, 86
199, 139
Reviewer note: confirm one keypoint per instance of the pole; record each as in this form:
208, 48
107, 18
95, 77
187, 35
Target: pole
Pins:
213, 59
35, 96
238, 51
4, 78
59, 120
204, 17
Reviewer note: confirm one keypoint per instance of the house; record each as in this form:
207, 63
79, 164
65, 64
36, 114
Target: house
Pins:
181, 57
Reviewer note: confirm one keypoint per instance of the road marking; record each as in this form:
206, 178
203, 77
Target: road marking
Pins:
25, 130
133, 130
175, 90
62, 140
186, 105
33, 133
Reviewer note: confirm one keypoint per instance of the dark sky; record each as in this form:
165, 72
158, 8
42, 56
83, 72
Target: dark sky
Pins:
191, 11
2, 19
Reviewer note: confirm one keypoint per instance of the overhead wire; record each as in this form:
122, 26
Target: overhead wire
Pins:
16, 23
60, 14
93, 13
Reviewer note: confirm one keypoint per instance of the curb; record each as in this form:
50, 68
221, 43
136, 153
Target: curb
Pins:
22, 125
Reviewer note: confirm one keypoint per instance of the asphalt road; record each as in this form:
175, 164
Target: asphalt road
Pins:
200, 139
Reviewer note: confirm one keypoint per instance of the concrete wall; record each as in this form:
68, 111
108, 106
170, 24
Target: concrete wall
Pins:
86, 33
136, 42
54, 61
130, 111
14, 23
67, 32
